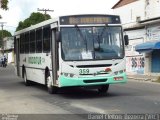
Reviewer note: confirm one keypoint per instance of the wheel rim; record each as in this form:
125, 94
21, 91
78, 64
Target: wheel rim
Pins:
25, 78
49, 83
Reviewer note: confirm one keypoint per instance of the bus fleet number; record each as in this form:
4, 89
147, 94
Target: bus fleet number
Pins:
83, 71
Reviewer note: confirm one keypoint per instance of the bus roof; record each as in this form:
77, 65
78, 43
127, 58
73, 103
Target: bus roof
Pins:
41, 24
76, 19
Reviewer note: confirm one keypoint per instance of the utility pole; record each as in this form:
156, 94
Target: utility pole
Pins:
2, 24
45, 11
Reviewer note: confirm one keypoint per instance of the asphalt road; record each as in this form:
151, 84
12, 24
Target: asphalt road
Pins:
35, 102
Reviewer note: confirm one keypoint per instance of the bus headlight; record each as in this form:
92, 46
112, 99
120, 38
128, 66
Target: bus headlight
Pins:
119, 72
69, 75
65, 74
116, 73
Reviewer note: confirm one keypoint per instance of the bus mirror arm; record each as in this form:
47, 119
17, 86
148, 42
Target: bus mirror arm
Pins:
126, 39
57, 36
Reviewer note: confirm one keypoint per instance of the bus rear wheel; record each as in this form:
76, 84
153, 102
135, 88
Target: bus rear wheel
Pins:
103, 88
26, 81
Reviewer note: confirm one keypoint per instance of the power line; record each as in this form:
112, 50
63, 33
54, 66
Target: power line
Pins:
45, 11
10, 26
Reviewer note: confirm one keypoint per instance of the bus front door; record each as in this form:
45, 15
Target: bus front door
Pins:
54, 52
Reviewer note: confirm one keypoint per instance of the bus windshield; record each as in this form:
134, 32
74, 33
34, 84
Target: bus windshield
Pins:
92, 43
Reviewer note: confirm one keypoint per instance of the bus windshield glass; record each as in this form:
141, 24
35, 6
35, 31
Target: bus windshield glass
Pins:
92, 43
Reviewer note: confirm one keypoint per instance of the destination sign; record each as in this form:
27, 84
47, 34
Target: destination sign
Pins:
89, 19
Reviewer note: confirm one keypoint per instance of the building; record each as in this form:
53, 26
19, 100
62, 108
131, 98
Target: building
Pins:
141, 21
8, 46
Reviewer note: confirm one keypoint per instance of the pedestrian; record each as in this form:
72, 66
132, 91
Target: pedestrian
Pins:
1, 61
4, 61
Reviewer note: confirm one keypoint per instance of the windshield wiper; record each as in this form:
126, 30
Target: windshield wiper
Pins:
81, 34
99, 37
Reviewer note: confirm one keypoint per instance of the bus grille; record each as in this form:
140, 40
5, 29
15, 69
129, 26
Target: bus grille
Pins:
94, 81
93, 66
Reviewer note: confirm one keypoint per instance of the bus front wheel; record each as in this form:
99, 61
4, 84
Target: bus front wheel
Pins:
51, 89
103, 88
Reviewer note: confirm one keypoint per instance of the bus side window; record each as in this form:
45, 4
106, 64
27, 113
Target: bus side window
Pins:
22, 44
26, 42
39, 40
46, 39
32, 42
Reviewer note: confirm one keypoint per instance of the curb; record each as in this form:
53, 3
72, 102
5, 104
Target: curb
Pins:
142, 79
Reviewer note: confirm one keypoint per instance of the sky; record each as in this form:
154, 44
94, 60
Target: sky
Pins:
21, 9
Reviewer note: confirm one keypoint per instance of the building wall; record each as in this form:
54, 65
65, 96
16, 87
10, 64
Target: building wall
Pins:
152, 8
135, 61
144, 9
8, 43
130, 12
8, 48
153, 32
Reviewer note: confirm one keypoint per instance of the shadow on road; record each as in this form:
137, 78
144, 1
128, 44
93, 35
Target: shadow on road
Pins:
75, 92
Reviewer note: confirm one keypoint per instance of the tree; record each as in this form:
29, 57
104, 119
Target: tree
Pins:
5, 34
33, 19
4, 4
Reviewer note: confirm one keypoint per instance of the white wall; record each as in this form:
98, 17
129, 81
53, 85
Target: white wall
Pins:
146, 9
130, 12
134, 60
152, 8
8, 43
153, 32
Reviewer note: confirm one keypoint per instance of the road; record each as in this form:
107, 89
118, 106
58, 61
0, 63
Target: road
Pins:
134, 97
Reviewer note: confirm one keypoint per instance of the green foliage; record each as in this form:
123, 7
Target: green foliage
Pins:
5, 34
32, 20
4, 4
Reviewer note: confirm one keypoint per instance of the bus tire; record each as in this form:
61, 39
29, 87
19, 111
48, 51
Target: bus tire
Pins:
51, 89
26, 81
103, 88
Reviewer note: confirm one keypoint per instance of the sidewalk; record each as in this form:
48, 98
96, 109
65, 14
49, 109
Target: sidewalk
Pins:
141, 77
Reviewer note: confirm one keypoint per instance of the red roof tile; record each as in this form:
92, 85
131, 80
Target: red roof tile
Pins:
121, 3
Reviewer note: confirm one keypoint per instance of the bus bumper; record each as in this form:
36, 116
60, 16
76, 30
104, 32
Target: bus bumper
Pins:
92, 81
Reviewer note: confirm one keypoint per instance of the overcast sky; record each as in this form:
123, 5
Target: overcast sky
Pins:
21, 9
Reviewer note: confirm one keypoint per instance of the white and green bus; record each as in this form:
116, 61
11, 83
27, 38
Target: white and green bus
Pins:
72, 51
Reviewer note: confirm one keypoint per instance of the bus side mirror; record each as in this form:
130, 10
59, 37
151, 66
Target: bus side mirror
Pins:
126, 39
57, 36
